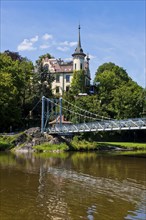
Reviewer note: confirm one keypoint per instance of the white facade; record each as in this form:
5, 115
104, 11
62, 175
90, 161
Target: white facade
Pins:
78, 63
63, 71
61, 83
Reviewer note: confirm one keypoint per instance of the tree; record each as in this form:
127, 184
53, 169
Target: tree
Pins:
120, 97
47, 55
9, 113
15, 86
45, 78
14, 55
78, 82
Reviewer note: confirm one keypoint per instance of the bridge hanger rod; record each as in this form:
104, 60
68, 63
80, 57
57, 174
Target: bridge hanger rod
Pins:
85, 116
87, 111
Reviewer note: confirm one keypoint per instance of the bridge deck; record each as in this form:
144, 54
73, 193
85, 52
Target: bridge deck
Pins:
105, 125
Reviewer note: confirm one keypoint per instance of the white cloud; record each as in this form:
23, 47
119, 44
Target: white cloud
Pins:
44, 46
27, 44
62, 48
34, 39
47, 37
69, 44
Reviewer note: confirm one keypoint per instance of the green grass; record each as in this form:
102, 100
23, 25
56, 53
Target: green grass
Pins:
83, 145
4, 145
127, 145
6, 141
51, 147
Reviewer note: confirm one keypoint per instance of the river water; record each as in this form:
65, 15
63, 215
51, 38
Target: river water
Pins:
72, 186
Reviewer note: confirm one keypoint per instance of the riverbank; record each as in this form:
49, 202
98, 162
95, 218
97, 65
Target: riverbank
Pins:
33, 140
91, 146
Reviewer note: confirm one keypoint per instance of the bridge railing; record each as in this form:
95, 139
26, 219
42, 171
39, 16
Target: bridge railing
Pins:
105, 125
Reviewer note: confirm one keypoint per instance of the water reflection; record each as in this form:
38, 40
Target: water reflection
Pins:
72, 186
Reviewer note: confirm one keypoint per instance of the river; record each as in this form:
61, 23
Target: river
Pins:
72, 186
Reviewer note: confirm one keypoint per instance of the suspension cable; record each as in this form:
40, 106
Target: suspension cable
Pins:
86, 110
34, 107
76, 113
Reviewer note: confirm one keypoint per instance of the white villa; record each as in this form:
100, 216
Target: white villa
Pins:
63, 71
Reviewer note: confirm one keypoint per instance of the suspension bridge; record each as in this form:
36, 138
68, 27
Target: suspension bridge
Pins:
59, 116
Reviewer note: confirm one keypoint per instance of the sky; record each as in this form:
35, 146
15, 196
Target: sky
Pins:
111, 31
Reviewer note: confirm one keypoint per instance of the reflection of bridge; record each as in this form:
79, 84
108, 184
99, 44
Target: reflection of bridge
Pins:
80, 120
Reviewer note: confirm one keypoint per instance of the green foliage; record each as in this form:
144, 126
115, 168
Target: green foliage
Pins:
83, 145
21, 87
78, 82
6, 141
44, 77
15, 88
4, 145
125, 145
47, 55
120, 97
14, 55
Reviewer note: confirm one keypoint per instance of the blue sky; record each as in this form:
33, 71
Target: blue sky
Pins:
111, 31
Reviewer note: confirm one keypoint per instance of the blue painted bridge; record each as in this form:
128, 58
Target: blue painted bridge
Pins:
54, 113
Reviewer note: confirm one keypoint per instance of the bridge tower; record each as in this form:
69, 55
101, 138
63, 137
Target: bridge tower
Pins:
78, 55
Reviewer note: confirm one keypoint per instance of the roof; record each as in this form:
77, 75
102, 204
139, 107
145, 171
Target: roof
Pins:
79, 50
58, 65
57, 121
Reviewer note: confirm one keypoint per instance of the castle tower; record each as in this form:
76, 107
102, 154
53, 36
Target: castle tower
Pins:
78, 56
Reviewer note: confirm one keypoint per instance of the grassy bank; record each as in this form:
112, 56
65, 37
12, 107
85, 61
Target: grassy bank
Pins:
84, 145
51, 147
126, 145
8, 142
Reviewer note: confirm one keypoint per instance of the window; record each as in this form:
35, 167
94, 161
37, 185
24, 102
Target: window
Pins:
67, 88
81, 66
57, 78
57, 89
75, 66
67, 78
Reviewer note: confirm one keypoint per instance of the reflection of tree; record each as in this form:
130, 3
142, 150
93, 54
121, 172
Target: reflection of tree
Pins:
69, 187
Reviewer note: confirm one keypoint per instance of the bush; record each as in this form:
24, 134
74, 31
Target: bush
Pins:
4, 145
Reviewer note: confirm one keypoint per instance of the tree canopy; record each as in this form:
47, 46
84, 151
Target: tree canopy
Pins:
44, 77
119, 95
22, 85
15, 87
78, 82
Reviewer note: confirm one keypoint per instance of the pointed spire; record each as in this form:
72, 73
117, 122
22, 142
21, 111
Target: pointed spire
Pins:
79, 41
79, 50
